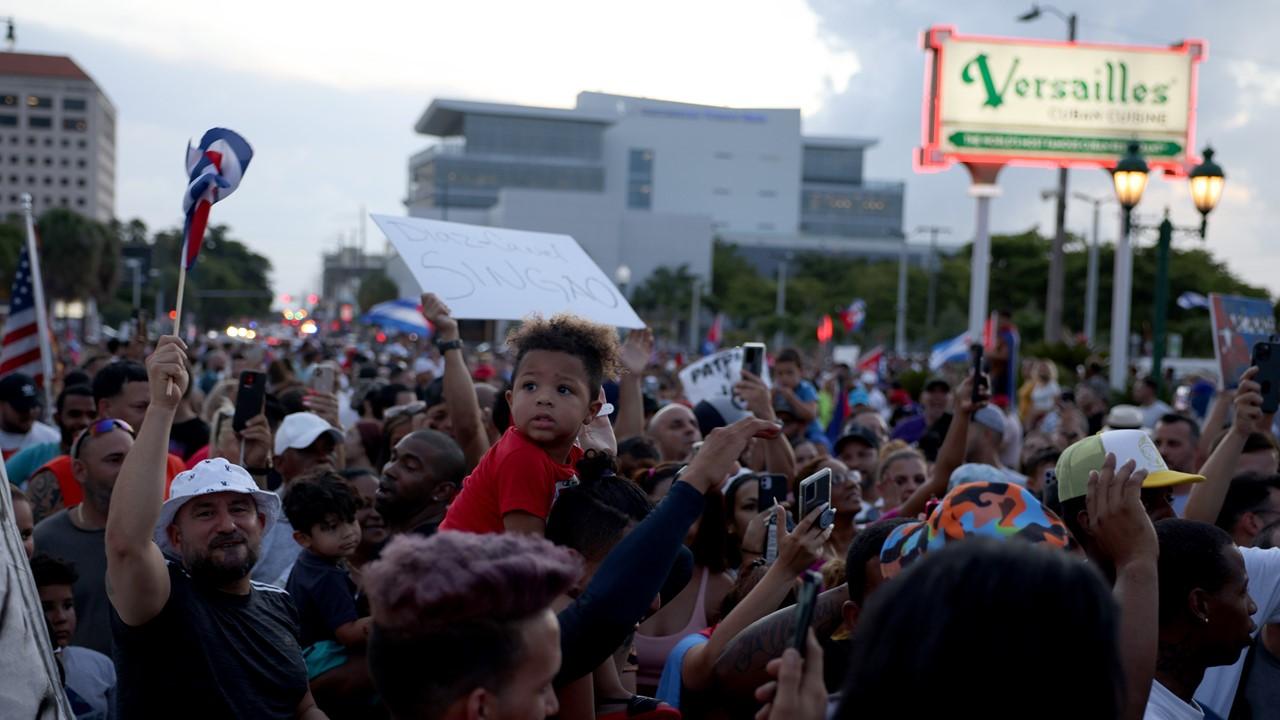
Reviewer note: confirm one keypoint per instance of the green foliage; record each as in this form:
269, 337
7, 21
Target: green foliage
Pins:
376, 288
821, 284
87, 254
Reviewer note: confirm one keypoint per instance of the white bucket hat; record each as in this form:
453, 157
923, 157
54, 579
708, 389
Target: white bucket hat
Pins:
208, 477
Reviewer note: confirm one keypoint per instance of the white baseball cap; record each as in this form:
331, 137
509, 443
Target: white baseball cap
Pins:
299, 430
216, 475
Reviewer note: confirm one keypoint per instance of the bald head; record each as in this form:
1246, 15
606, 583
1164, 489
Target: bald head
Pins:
674, 430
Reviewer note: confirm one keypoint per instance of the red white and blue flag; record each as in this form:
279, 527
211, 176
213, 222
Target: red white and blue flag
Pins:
714, 335
854, 316
214, 170
21, 351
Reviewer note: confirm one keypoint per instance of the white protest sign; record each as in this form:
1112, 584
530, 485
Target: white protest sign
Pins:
847, 354
714, 376
489, 273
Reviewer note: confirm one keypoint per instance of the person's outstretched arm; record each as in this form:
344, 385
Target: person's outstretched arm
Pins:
950, 455
137, 579
621, 591
636, 351
1207, 497
774, 455
1213, 423
459, 391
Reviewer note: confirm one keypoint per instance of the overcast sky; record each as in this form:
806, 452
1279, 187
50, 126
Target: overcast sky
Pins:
327, 92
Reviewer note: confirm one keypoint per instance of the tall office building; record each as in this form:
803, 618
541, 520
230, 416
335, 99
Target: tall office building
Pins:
57, 137
646, 183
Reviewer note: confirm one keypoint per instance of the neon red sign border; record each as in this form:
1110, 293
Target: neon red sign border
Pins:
930, 157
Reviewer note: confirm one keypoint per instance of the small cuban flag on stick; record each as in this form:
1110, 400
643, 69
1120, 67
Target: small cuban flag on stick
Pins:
214, 170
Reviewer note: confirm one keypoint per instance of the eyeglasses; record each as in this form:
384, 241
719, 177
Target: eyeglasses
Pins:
410, 410
100, 427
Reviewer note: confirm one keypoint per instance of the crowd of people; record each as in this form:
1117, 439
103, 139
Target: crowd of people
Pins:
432, 529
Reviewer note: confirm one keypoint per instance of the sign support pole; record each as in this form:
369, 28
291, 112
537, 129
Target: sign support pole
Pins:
1120, 297
983, 189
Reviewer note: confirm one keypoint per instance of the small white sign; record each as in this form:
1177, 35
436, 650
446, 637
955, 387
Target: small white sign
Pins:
489, 273
714, 376
847, 354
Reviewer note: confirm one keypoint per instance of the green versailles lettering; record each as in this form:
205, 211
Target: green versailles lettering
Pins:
1110, 84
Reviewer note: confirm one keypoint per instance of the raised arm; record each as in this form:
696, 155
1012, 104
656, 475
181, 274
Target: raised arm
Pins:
797, 550
950, 455
636, 351
1207, 497
137, 579
774, 455
459, 391
1213, 424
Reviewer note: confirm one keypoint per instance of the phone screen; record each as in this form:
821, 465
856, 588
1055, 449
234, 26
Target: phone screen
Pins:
979, 382
753, 358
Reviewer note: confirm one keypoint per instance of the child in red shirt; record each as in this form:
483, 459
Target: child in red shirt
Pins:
560, 365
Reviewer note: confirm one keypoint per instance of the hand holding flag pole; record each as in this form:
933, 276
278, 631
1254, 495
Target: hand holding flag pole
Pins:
214, 170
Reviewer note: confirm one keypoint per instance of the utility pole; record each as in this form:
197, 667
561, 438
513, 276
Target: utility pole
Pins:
1091, 284
780, 304
934, 231
695, 310
900, 329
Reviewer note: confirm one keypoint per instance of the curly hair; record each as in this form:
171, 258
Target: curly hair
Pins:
311, 500
594, 344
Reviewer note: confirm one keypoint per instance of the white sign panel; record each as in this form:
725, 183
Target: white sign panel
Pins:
714, 376
847, 354
489, 273
1070, 103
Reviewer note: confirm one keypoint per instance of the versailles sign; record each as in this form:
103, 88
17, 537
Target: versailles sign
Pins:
1026, 102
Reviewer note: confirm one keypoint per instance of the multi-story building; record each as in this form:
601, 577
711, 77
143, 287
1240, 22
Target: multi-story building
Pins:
57, 137
643, 183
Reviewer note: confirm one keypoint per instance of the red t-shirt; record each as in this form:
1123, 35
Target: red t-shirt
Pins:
516, 474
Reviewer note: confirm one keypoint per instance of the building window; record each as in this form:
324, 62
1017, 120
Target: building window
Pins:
31, 140
31, 159
82, 144
31, 179
13, 198
48, 180
13, 179
640, 179
64, 181
64, 201
75, 124
8, 120
65, 143
37, 122
81, 163
80, 202
64, 162
48, 161
80, 182
40, 102
75, 104
10, 100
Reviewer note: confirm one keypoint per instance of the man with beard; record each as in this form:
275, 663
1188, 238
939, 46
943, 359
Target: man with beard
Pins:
73, 411
193, 634
418, 483
77, 533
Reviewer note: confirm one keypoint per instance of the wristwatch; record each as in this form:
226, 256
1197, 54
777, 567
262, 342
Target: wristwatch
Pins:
447, 345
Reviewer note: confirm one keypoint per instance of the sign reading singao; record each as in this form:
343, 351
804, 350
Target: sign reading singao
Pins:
1031, 102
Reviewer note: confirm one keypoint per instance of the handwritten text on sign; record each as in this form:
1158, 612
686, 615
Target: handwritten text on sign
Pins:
714, 376
488, 273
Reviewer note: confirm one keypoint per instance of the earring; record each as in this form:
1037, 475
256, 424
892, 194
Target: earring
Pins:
1205, 619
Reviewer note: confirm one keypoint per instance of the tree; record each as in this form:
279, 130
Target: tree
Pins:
87, 255
667, 297
376, 288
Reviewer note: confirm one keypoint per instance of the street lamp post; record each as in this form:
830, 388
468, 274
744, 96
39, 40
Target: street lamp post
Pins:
1057, 261
1207, 180
622, 276
1130, 179
1091, 283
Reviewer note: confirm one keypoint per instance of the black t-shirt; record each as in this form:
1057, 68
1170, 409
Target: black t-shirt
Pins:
210, 654
324, 595
188, 436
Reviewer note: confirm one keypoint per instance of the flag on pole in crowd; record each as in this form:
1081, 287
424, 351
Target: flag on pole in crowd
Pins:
403, 315
25, 346
826, 329
711, 343
954, 350
1190, 300
870, 361
854, 316
214, 170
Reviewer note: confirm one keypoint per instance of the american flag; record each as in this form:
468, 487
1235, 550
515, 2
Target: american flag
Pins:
21, 344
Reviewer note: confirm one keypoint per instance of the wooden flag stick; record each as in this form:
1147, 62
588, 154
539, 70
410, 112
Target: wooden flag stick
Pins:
177, 317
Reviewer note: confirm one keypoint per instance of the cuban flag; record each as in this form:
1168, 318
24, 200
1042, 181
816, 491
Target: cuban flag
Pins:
714, 335
954, 350
214, 170
1189, 300
854, 316
402, 315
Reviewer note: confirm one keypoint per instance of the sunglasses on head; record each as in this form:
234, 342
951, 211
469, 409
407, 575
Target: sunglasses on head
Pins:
100, 427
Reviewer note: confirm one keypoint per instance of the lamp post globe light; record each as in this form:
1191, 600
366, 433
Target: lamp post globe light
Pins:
1130, 180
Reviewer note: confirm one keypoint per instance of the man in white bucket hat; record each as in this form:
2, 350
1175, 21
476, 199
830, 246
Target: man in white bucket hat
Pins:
193, 633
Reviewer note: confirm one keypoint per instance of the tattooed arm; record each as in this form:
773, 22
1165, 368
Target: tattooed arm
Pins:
45, 495
741, 667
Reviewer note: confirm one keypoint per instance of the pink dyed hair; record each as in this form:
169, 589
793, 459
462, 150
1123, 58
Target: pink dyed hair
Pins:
422, 583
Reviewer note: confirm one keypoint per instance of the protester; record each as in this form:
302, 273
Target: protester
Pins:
373, 528
89, 676
74, 410
674, 430
1177, 437
197, 608
19, 409
1145, 393
77, 534
934, 399
419, 483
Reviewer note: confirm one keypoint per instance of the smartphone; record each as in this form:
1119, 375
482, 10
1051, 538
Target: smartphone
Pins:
696, 447
811, 584
1266, 357
815, 492
324, 378
753, 358
251, 398
979, 380
773, 491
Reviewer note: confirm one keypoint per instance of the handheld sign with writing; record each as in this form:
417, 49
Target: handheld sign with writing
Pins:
490, 273
714, 376
1239, 323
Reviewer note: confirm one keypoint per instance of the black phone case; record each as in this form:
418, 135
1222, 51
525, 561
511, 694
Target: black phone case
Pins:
773, 491
249, 398
1266, 356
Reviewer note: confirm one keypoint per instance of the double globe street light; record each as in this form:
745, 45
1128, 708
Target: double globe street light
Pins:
1130, 180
